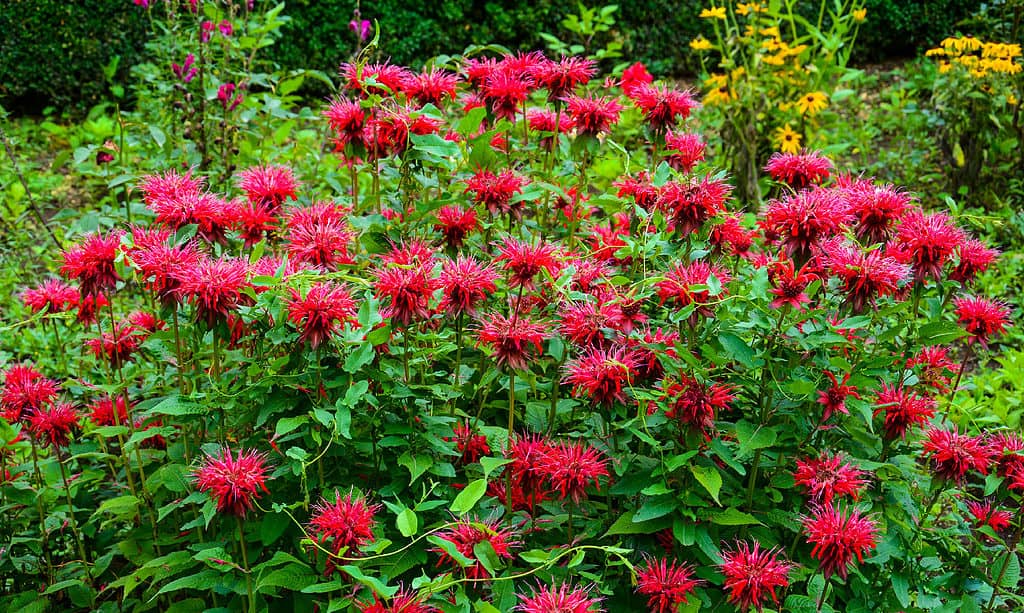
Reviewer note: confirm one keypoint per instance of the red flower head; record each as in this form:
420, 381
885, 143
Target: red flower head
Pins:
647, 349
981, 318
562, 77
666, 584
214, 287
680, 280
25, 391
102, 412
876, 209
543, 120
635, 76
695, 404
585, 323
268, 185
409, 288
690, 204
525, 261
234, 482
834, 398
169, 187
455, 224
471, 446
864, 276
936, 367
50, 296
974, 258
479, 70
684, 150
432, 87
383, 79
116, 346
926, 241
88, 306
827, 477
162, 266
466, 534
953, 454
903, 409
593, 115
662, 107
800, 221
346, 118
838, 537
213, 215
560, 599
506, 92
346, 524
319, 235
464, 284
52, 425
731, 237
253, 222
985, 515
511, 340
639, 189
799, 170
526, 64
789, 284
91, 262
319, 314
402, 602
1008, 451
752, 575
601, 374
527, 454
495, 191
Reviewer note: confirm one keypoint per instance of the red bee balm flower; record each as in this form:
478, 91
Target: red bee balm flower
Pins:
512, 339
464, 284
455, 224
695, 404
799, 170
495, 190
593, 115
402, 602
234, 482
409, 288
752, 575
92, 262
974, 258
683, 151
903, 409
982, 318
876, 209
432, 87
828, 477
864, 276
525, 261
681, 278
926, 242
561, 599
319, 235
561, 77
268, 185
600, 374
214, 287
25, 391
319, 313
953, 454
834, 398
569, 467
662, 107
789, 284
838, 537
347, 523
466, 534
985, 515
470, 445
52, 425
666, 584
102, 412
800, 221
50, 296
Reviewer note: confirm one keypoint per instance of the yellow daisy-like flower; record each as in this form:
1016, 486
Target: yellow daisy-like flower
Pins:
811, 104
934, 52
786, 140
718, 90
715, 12
700, 44
1011, 100
945, 67
772, 32
746, 8
860, 15
778, 59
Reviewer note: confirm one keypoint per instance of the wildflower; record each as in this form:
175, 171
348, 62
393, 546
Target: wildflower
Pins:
116, 346
25, 391
506, 92
50, 296
689, 205
409, 289
812, 103
680, 281
648, 348
478, 70
982, 318
543, 120
403, 601
800, 221
109, 412
714, 12
562, 77
683, 151
787, 140
89, 306
600, 374
695, 404
346, 118
385, 79
838, 537
162, 267
52, 425
345, 523
593, 115
253, 222
834, 398
361, 28
525, 261
214, 287
974, 257
926, 242
1008, 451
319, 235
731, 237
662, 107
903, 409
799, 170
859, 15
233, 482
169, 186
864, 276
700, 44
91, 262
319, 313
936, 367
639, 189
527, 453
455, 224
666, 584
464, 284
985, 515
789, 284
227, 98
432, 86
465, 535
827, 477
186, 71
752, 574
634, 76
876, 209
268, 185
495, 191
560, 599
511, 340
471, 446
953, 454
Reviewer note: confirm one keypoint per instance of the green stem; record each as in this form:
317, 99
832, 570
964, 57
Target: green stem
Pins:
71, 518
245, 565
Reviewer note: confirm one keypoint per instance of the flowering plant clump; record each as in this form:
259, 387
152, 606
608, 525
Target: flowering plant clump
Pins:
454, 358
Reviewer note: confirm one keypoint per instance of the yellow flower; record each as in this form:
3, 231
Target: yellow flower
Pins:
945, 67
812, 103
935, 51
745, 8
718, 90
715, 12
772, 32
700, 44
1011, 100
786, 140
860, 15
775, 60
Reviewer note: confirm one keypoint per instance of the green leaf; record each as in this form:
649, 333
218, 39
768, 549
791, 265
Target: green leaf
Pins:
204, 580
407, 523
468, 497
293, 577
471, 121
737, 348
489, 464
288, 86
939, 333
734, 517
417, 465
434, 145
287, 424
901, 587
625, 525
158, 135
1011, 576
362, 356
656, 507
710, 478
753, 437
